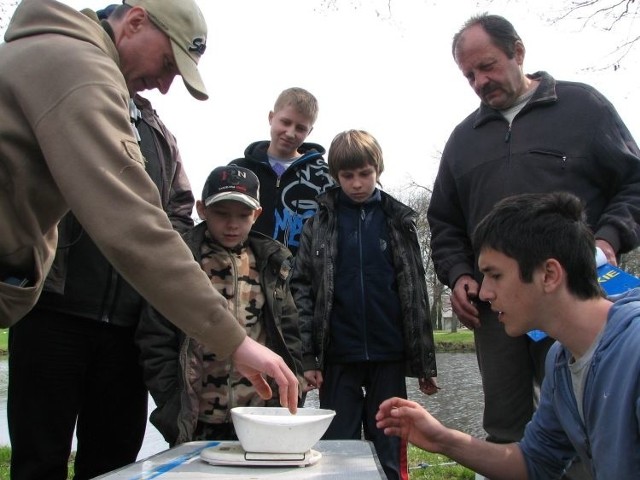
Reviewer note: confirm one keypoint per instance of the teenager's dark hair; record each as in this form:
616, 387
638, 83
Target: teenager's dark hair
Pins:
501, 31
531, 228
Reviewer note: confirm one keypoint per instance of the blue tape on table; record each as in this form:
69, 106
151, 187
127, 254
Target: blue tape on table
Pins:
166, 467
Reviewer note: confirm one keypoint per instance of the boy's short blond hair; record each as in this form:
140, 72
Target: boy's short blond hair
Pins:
354, 149
300, 99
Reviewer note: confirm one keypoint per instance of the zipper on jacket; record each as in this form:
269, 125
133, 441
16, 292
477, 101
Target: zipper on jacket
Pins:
507, 141
586, 395
110, 297
185, 426
236, 300
234, 269
561, 156
273, 172
363, 215
287, 231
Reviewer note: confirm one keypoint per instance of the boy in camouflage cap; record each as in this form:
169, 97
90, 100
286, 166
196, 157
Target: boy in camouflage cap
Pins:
193, 390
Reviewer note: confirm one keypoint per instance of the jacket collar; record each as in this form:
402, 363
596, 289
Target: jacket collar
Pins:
375, 197
263, 246
545, 93
391, 206
626, 309
257, 151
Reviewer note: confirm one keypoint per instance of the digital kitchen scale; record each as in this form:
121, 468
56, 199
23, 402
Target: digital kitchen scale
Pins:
232, 453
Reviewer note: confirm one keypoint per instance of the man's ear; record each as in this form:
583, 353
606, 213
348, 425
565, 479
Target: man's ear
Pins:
200, 208
519, 52
134, 19
553, 275
271, 114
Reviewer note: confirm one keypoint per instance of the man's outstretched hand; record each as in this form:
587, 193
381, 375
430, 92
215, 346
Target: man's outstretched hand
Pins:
254, 360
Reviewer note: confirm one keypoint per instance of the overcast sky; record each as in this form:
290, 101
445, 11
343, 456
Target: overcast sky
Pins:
390, 73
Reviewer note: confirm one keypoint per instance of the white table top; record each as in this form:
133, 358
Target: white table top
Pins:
341, 459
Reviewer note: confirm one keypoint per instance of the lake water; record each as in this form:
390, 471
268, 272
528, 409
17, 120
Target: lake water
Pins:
458, 404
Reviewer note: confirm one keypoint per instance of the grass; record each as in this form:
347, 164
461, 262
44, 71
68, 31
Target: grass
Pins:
422, 465
432, 466
4, 341
5, 460
463, 336
460, 341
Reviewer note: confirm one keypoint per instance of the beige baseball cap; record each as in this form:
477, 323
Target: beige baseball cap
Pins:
185, 26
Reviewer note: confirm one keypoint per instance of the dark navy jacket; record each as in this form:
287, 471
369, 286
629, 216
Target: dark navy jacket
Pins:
315, 282
366, 316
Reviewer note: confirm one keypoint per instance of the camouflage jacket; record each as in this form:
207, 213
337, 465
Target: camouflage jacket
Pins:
174, 366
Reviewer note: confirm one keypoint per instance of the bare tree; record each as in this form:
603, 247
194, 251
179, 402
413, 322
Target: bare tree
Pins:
381, 8
418, 197
607, 15
6, 11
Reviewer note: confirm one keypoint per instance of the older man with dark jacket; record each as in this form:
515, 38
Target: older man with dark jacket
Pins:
530, 134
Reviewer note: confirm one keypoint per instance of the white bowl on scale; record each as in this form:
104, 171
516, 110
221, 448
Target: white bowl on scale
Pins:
276, 430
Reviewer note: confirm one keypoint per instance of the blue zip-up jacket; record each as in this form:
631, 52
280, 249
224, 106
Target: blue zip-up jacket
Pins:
608, 441
366, 316
314, 283
287, 202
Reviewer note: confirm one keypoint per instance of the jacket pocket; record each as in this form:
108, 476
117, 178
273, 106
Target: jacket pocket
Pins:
132, 149
560, 157
15, 300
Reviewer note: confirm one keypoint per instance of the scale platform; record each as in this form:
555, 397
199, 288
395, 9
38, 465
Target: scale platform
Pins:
232, 453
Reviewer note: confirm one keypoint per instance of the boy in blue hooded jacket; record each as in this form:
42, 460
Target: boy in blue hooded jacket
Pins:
536, 253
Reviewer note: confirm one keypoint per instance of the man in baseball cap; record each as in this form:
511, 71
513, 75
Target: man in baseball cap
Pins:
183, 22
68, 142
184, 25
